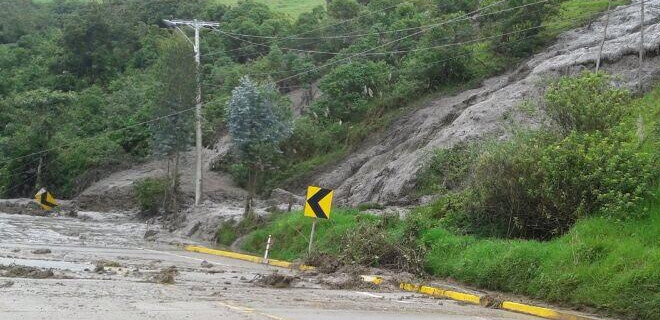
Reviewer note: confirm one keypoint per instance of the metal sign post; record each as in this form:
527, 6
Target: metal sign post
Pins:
311, 237
317, 206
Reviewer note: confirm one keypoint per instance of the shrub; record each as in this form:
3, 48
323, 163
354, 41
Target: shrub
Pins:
586, 103
447, 169
229, 231
348, 88
368, 243
537, 187
150, 193
226, 233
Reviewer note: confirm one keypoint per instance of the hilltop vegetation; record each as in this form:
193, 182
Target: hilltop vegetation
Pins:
76, 74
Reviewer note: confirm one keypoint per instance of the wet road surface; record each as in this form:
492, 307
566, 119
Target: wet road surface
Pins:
126, 289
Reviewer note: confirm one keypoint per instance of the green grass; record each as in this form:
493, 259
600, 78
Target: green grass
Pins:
577, 11
291, 231
610, 266
291, 7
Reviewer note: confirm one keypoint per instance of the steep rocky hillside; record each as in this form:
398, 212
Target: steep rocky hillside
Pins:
384, 168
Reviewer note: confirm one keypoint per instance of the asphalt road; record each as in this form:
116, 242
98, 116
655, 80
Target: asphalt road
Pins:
126, 289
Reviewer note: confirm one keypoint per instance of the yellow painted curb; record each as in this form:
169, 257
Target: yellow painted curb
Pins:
247, 257
541, 312
506, 305
441, 293
372, 279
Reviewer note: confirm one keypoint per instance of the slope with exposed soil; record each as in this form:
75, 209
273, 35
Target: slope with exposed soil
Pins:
384, 168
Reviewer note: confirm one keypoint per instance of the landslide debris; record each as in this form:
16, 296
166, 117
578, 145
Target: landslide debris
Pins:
165, 276
275, 280
16, 271
41, 251
384, 168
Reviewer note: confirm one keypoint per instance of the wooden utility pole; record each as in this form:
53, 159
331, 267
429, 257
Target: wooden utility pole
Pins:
641, 45
196, 25
602, 42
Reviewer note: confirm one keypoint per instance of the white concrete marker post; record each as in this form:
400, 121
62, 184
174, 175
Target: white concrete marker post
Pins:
268, 243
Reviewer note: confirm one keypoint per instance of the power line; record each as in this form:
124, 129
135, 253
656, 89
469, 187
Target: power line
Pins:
313, 30
359, 35
99, 135
432, 25
309, 70
576, 18
371, 49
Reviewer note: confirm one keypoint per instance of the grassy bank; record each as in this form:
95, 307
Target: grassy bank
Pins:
290, 7
607, 265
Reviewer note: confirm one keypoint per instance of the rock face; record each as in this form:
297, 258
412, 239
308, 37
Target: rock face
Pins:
384, 168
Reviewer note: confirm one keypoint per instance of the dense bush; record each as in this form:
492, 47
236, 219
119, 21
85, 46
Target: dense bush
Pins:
348, 88
447, 168
150, 193
586, 103
536, 187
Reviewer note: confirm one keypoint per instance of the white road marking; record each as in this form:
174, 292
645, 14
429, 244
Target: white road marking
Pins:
249, 310
370, 294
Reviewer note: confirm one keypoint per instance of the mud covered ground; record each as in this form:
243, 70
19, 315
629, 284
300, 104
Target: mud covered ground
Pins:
101, 267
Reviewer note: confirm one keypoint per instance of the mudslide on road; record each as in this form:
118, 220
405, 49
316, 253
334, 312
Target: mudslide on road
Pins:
384, 168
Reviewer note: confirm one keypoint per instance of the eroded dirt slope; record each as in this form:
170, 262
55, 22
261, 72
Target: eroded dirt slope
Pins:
383, 170
115, 191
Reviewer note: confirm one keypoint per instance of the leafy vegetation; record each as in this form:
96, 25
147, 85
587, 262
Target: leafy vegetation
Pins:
150, 195
107, 57
257, 124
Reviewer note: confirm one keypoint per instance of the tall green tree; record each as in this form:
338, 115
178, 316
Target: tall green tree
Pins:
176, 92
33, 118
257, 124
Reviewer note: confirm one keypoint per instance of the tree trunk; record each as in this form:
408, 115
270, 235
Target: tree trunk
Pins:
252, 186
174, 183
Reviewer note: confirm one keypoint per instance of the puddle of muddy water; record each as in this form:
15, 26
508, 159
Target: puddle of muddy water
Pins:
109, 230
47, 264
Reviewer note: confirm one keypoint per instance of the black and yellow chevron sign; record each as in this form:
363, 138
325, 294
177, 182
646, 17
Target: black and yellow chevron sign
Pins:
45, 199
318, 203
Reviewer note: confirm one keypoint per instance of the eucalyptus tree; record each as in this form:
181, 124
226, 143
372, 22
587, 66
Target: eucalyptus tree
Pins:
257, 124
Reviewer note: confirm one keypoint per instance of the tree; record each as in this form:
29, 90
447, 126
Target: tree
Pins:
520, 28
33, 118
343, 9
257, 124
348, 88
177, 91
98, 41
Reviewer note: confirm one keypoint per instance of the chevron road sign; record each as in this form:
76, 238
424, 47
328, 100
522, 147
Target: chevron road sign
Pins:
45, 199
318, 203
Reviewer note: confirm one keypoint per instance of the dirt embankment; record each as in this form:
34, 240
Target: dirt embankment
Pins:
115, 192
384, 168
